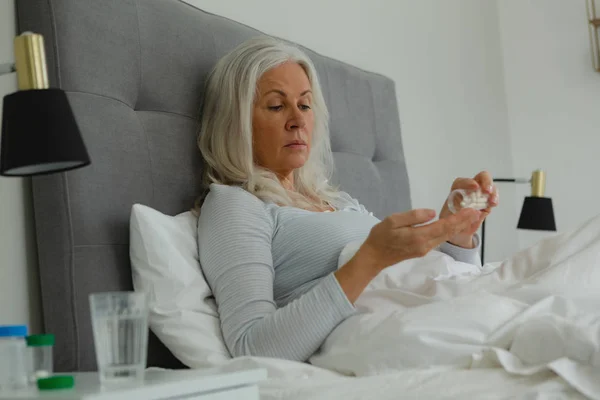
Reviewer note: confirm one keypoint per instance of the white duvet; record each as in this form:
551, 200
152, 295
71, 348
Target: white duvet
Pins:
539, 310
289, 380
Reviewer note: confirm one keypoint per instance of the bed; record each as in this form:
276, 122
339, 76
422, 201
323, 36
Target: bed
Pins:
134, 71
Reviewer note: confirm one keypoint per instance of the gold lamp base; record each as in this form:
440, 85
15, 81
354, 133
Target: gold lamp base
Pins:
538, 183
30, 61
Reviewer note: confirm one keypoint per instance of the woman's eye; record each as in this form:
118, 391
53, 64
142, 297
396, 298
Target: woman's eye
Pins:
304, 107
275, 108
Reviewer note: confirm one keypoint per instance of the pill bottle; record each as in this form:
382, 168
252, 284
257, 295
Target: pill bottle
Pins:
460, 198
14, 362
40, 353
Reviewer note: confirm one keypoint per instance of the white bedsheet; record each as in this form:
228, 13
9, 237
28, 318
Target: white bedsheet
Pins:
538, 311
289, 380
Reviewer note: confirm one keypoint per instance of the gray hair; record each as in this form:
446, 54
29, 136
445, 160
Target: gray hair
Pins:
225, 137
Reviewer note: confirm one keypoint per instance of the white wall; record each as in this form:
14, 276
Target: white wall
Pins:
553, 97
19, 292
446, 60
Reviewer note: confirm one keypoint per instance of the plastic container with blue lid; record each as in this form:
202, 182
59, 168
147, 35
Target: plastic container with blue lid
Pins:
14, 360
17, 331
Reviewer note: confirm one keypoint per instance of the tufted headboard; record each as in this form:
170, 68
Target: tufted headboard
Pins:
134, 72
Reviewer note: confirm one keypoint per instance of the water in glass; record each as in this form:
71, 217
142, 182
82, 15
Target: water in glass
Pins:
120, 324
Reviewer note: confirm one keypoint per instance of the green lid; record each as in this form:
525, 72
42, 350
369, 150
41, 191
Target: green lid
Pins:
40, 340
56, 382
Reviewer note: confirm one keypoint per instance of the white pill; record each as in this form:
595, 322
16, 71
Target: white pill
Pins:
41, 374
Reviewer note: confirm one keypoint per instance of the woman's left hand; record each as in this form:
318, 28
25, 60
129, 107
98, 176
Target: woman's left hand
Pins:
484, 182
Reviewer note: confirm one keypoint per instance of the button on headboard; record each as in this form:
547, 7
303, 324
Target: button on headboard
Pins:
134, 71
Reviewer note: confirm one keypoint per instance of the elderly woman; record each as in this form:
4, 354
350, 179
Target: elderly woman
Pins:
271, 227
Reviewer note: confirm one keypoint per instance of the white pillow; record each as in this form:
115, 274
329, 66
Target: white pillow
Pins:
164, 260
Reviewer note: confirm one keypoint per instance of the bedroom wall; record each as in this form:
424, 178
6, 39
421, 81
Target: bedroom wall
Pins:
553, 97
19, 295
446, 60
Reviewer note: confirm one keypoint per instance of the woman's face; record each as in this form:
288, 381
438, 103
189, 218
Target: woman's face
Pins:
282, 121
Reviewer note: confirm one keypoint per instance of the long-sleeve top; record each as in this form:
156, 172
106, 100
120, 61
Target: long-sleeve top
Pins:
271, 269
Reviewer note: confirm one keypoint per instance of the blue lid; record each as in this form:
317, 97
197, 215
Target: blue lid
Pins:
13, 330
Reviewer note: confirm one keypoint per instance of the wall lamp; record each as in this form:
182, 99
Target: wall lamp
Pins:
537, 212
39, 131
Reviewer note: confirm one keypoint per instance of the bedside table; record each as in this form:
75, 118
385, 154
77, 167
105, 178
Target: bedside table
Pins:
157, 385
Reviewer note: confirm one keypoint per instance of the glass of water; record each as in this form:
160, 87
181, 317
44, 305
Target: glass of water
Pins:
120, 325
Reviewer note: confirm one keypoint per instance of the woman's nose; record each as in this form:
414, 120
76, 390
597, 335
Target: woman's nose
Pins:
296, 121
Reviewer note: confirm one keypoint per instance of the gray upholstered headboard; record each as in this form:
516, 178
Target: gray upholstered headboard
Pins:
134, 72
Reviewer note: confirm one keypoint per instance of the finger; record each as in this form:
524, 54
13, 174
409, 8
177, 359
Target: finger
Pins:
483, 216
485, 181
410, 218
465, 183
444, 229
434, 242
495, 197
493, 200
460, 222
434, 230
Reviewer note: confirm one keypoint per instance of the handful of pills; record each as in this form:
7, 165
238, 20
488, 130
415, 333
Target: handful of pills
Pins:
461, 198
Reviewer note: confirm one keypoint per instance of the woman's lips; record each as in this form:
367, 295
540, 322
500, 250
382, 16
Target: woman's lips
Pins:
296, 146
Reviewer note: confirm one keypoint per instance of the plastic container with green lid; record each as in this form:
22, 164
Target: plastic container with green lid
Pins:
40, 352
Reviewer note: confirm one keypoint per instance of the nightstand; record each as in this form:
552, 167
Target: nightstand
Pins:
158, 385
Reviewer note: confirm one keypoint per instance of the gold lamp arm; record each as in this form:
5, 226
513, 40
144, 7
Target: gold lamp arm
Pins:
537, 181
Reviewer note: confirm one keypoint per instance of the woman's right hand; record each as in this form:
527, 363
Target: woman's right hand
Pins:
399, 236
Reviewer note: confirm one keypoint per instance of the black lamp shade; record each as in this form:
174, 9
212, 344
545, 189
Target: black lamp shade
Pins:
39, 134
537, 214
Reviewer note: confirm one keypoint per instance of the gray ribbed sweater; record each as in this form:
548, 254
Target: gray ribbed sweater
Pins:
271, 270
